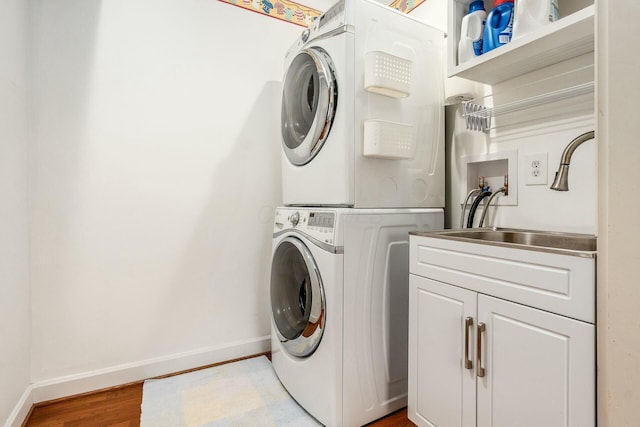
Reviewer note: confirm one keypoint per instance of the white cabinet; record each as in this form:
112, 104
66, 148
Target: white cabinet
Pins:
442, 391
538, 367
478, 360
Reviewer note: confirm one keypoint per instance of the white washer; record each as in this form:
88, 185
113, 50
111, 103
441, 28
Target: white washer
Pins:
362, 116
339, 300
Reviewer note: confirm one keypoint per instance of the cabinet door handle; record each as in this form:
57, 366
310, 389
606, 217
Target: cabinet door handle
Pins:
480, 369
468, 323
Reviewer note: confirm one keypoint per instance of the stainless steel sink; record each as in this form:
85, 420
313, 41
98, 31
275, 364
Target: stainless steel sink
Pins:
548, 241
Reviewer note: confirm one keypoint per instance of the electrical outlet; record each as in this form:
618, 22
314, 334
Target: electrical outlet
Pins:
536, 169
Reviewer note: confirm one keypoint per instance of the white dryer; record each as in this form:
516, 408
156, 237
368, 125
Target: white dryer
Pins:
339, 300
362, 117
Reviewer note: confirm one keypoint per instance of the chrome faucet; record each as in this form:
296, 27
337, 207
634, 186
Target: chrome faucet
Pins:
561, 181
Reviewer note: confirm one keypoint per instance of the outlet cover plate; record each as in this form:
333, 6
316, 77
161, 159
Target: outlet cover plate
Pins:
535, 168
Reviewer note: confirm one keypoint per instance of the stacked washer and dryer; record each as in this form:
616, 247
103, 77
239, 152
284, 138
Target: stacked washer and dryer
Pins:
362, 165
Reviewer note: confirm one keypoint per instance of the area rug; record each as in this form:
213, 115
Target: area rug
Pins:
245, 393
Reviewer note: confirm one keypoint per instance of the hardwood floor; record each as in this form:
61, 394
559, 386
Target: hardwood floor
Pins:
117, 407
120, 407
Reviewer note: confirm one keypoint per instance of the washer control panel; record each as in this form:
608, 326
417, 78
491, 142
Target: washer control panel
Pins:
319, 224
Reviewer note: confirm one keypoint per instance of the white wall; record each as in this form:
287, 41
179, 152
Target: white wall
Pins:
15, 314
618, 254
545, 130
538, 207
156, 174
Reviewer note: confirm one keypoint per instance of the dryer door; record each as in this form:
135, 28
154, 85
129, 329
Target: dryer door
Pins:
297, 298
309, 99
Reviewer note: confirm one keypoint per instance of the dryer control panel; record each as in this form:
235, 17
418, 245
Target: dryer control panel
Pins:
319, 224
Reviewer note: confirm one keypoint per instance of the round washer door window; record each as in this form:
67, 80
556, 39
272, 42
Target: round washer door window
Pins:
309, 99
297, 298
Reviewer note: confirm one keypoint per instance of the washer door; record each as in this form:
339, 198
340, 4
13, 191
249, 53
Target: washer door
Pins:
297, 298
309, 99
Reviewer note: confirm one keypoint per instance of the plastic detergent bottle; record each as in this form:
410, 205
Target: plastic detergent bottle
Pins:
533, 14
471, 33
499, 25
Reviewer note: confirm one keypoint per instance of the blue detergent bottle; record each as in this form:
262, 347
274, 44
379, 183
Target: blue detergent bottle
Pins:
499, 25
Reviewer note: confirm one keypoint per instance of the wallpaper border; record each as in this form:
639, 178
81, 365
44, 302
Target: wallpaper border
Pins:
299, 14
284, 10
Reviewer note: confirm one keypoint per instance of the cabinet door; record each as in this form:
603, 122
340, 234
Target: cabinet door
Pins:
539, 368
441, 387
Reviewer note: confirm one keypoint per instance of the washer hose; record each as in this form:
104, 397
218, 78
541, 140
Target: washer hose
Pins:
474, 207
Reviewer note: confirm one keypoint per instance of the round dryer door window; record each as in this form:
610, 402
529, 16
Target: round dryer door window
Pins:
297, 298
309, 99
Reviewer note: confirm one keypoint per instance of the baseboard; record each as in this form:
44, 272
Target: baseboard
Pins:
21, 410
122, 374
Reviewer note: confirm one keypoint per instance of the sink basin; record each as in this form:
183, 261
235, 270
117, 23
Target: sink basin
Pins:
548, 241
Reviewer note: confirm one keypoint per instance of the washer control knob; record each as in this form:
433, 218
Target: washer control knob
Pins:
305, 35
295, 218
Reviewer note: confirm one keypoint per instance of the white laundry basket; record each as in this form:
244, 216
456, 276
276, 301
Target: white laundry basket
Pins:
387, 74
388, 140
